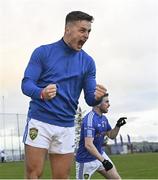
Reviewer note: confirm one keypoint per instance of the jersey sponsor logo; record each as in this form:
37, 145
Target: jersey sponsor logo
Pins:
86, 176
33, 133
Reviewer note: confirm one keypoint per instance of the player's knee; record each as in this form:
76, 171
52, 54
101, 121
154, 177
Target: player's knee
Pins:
117, 176
34, 173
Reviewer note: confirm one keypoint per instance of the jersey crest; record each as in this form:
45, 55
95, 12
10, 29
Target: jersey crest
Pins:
86, 176
33, 133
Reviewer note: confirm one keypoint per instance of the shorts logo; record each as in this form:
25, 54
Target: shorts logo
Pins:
86, 176
33, 133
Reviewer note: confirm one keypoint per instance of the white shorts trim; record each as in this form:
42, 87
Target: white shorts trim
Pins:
56, 139
86, 170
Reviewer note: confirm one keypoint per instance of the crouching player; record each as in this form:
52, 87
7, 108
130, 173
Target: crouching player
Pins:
90, 156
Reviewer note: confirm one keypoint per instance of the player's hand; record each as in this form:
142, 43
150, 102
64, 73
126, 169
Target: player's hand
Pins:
107, 165
121, 122
100, 92
49, 92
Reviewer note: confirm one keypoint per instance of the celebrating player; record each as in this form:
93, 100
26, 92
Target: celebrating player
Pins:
90, 156
54, 79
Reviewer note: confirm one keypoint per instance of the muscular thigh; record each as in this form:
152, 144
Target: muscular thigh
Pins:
111, 174
61, 165
35, 157
61, 152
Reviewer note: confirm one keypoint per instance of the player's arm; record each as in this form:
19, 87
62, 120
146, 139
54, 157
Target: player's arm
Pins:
31, 78
93, 92
114, 132
32, 74
93, 150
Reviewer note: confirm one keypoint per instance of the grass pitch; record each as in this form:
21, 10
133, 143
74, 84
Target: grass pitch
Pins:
130, 166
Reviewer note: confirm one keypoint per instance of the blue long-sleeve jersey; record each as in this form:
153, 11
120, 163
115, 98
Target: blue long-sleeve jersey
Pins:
93, 126
70, 70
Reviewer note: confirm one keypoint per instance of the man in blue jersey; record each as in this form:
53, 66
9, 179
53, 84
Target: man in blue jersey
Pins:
54, 79
90, 156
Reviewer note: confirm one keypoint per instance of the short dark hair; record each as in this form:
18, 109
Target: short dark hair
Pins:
77, 16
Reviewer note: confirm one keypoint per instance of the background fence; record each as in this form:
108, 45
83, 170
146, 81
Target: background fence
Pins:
12, 128
11, 133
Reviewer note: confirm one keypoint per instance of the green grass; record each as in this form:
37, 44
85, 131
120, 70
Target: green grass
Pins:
131, 166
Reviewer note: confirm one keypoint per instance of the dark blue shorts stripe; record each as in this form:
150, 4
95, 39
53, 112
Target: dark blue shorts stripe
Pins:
80, 174
26, 130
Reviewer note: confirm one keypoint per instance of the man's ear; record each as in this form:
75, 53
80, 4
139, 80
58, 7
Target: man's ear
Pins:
67, 29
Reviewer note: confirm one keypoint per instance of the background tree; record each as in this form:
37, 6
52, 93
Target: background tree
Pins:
78, 121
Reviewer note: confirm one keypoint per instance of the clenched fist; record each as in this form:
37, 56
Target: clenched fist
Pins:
100, 92
49, 92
